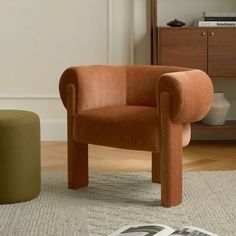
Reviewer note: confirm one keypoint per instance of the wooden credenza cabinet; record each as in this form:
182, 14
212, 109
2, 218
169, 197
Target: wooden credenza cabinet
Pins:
212, 50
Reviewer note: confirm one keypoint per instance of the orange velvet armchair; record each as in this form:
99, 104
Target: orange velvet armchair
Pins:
147, 108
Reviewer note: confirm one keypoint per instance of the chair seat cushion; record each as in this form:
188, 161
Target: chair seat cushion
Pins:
129, 127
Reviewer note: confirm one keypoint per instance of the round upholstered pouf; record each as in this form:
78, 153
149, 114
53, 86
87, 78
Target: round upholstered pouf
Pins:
19, 156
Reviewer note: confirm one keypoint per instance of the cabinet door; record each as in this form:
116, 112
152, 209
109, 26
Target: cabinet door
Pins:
222, 52
183, 47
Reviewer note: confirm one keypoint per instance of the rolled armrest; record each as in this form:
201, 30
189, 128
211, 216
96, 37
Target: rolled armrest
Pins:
191, 94
95, 86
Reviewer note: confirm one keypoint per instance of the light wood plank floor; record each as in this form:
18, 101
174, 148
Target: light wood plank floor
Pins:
199, 155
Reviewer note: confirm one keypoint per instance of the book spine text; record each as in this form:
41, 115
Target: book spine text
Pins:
217, 23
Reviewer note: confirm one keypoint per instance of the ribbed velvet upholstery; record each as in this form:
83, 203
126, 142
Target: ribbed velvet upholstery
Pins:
134, 107
191, 93
142, 82
99, 86
129, 127
96, 86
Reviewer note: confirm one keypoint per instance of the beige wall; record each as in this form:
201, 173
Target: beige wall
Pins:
142, 40
39, 39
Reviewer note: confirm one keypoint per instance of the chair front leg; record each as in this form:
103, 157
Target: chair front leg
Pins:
77, 152
171, 156
77, 164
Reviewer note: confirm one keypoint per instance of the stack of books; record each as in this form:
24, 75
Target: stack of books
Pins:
214, 19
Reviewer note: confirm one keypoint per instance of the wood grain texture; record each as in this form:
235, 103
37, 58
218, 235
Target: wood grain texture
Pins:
212, 50
222, 52
183, 47
198, 156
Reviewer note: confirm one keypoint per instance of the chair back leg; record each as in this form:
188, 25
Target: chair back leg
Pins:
156, 167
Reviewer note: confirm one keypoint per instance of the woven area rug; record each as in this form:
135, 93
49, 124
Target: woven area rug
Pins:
113, 200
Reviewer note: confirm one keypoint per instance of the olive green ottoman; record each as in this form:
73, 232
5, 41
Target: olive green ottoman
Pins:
19, 156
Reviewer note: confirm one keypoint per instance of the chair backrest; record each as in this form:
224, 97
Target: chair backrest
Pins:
96, 86
100, 86
142, 81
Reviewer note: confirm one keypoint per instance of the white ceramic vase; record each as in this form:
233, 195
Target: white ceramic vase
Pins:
218, 111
